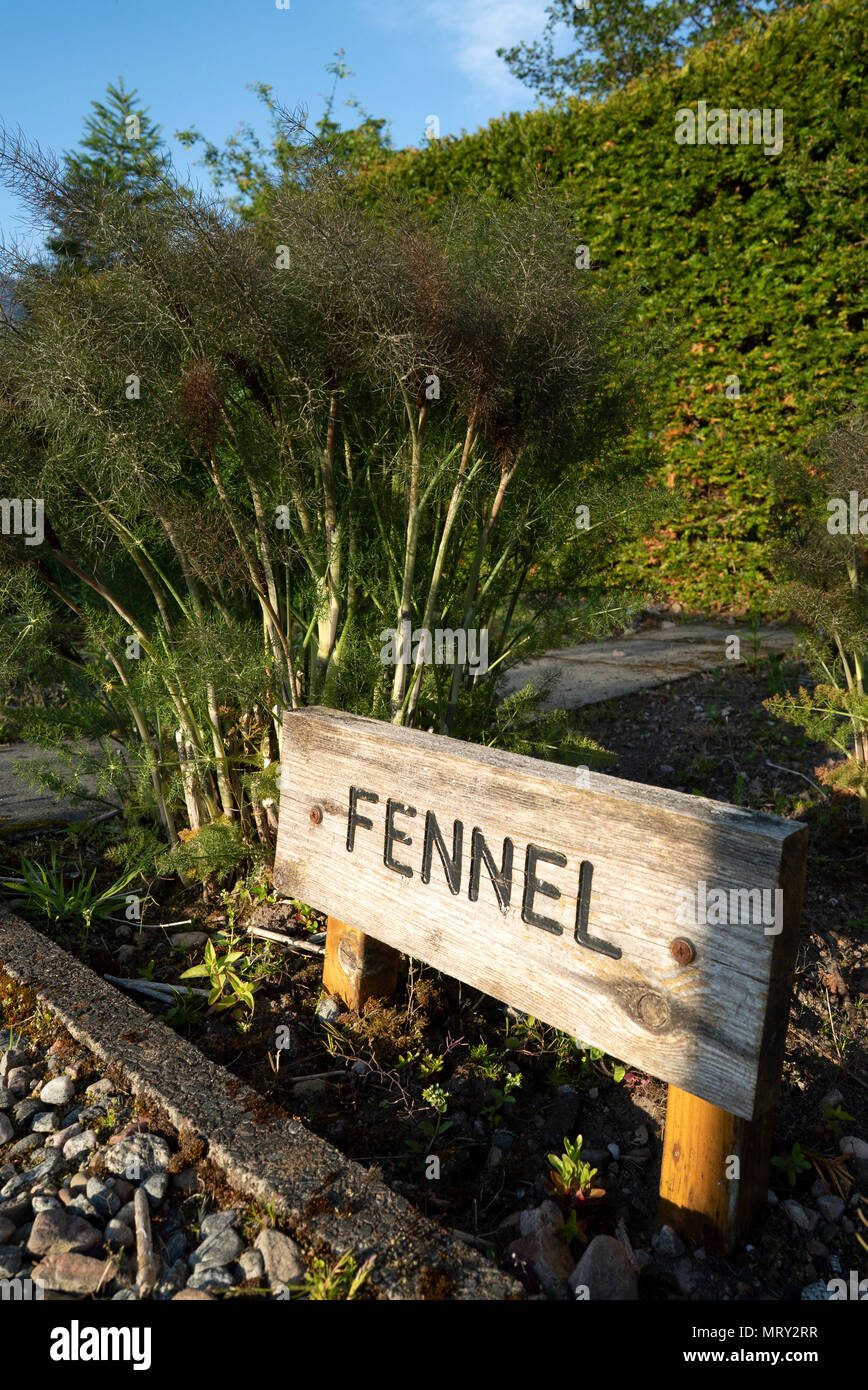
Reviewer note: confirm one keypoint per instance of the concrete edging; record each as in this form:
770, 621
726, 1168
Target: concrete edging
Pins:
328, 1200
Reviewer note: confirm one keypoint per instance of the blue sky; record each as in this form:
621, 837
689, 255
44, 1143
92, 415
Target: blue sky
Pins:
191, 60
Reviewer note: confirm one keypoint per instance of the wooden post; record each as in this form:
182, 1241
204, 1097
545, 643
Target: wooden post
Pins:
357, 967
715, 1170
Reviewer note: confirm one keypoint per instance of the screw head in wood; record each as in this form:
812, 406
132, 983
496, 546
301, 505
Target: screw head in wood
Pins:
683, 950
316, 815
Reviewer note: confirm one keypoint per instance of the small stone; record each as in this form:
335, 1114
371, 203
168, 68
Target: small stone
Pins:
186, 940
772, 1198
804, 1219
7, 1228
156, 1185
218, 1250
70, 1273
45, 1123
46, 1203
360, 1068
62, 1232
311, 1086
25, 1110
252, 1266
816, 1293
176, 1247
104, 1198
217, 1222
854, 1146
614, 1150
79, 1144
7, 1099
328, 1009
667, 1244
17, 1210
127, 1215
10, 1261
605, 1272
6, 1129
686, 1277
210, 1277
25, 1145
117, 1233
281, 1256
103, 1087
831, 1208
139, 1154
57, 1092
188, 1295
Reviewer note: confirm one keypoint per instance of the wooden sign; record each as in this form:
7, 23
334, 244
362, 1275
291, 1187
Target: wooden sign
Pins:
658, 926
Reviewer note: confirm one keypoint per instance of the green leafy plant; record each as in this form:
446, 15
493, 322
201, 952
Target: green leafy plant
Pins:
570, 1176
499, 1097
792, 1164
48, 889
342, 1280
228, 989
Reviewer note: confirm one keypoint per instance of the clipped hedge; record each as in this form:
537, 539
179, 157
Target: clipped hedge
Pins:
760, 261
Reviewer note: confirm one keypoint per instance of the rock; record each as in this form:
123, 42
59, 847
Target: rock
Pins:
831, 1208
138, 1156
127, 1215
667, 1244
70, 1273
188, 1295
686, 1276
252, 1266
6, 1130
47, 1122
103, 1087
542, 1248
117, 1233
60, 1232
210, 1277
503, 1139
816, 1293
858, 1148
57, 1092
606, 1272
805, 1220
11, 1260
218, 1250
176, 1247
281, 1257
833, 1099
17, 1210
104, 1198
156, 1186
18, 1080
772, 1198
80, 1206
328, 1009
186, 940
614, 1150
311, 1086
46, 1203
25, 1110
79, 1144
7, 1099
7, 1228
26, 1145
11, 1059
218, 1221
495, 1156
360, 1068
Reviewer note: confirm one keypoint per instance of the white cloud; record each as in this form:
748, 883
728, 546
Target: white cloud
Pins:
476, 28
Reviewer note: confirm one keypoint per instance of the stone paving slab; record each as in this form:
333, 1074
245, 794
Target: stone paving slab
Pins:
330, 1202
595, 671
25, 808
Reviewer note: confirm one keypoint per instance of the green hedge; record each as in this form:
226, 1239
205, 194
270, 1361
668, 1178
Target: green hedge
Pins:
760, 261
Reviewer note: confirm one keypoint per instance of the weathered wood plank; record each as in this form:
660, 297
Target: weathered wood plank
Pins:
578, 929
357, 967
715, 1171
